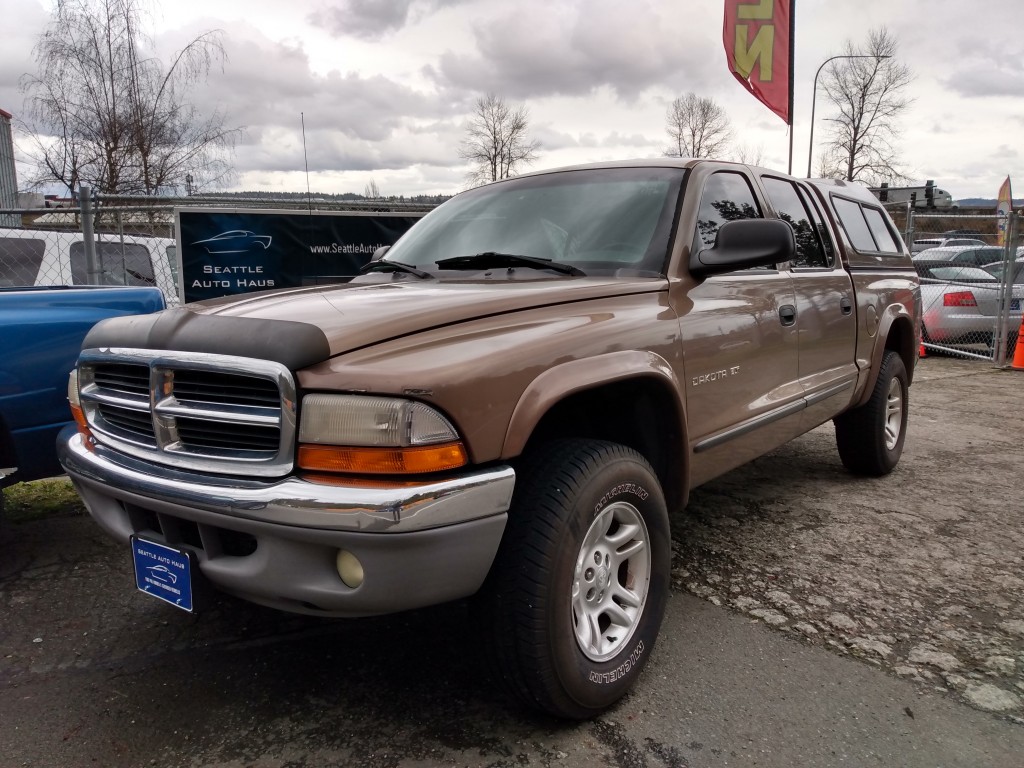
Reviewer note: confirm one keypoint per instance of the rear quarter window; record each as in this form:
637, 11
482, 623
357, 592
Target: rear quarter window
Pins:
884, 237
866, 228
851, 217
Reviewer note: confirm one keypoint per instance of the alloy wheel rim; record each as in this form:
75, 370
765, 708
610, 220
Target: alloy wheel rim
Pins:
893, 414
611, 581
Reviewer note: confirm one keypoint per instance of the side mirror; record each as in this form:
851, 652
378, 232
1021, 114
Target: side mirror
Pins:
379, 253
745, 243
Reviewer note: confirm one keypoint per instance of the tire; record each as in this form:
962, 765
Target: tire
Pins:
870, 438
569, 631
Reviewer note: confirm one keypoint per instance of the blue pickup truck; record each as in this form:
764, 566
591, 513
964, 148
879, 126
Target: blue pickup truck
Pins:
41, 332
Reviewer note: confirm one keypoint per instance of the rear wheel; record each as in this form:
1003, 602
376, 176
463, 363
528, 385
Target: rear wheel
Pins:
577, 593
870, 438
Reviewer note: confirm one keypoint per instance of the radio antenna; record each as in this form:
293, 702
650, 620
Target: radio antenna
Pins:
309, 195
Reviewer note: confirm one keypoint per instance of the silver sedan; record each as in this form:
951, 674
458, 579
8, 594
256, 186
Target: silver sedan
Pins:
960, 304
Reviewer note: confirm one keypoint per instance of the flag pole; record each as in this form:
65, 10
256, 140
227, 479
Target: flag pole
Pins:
792, 60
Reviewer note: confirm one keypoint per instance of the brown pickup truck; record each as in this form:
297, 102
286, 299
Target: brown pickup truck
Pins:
507, 404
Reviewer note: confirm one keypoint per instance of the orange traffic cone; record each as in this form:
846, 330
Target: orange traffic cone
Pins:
1018, 355
922, 352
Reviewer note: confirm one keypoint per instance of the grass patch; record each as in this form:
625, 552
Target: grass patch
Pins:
39, 499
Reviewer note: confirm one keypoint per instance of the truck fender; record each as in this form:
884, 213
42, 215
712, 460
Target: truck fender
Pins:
561, 381
894, 322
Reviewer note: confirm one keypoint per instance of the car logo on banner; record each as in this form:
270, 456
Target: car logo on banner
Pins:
234, 241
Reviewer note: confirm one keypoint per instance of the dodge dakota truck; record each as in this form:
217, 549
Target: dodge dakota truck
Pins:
507, 404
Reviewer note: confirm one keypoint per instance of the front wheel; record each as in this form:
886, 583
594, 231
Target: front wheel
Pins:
578, 589
870, 438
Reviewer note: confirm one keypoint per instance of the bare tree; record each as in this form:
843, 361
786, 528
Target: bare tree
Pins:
749, 154
697, 126
371, 190
496, 143
869, 93
102, 110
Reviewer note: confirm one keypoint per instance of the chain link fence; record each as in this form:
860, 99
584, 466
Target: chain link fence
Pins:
972, 286
127, 240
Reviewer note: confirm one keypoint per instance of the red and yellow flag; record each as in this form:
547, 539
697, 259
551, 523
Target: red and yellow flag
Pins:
1004, 207
757, 42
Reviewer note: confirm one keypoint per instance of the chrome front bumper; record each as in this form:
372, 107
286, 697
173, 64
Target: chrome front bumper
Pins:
419, 544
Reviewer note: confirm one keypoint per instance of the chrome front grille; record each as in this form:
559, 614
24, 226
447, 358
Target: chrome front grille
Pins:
214, 413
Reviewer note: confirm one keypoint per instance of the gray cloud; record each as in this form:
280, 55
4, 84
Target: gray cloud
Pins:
374, 19
367, 19
1004, 77
16, 52
577, 50
353, 122
268, 84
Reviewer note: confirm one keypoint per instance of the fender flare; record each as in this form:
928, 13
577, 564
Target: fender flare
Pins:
561, 381
894, 314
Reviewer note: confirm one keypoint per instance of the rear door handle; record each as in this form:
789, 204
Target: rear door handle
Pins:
787, 314
845, 306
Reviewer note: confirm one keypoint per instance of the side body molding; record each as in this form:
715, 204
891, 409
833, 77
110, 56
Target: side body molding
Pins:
566, 379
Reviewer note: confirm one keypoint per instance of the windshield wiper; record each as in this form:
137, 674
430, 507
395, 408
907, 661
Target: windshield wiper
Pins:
395, 266
489, 259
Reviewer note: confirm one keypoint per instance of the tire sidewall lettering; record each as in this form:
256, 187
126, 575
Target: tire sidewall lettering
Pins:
621, 671
621, 489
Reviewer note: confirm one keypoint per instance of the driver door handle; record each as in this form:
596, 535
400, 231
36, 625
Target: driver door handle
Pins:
787, 314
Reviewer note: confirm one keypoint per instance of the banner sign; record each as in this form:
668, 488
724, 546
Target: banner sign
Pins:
1004, 207
225, 251
757, 41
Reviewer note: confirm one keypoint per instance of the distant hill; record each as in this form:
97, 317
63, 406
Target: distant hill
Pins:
987, 202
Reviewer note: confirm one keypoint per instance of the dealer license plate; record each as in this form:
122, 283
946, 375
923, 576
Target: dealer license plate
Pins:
163, 572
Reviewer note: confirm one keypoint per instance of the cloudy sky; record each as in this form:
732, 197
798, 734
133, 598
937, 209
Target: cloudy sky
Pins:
387, 86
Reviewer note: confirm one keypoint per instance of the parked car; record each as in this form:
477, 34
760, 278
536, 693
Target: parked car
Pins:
961, 254
46, 257
943, 242
960, 303
996, 269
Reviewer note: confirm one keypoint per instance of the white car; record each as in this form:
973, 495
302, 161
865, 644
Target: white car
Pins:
31, 257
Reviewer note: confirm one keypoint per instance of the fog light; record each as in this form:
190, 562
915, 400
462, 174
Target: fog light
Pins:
349, 568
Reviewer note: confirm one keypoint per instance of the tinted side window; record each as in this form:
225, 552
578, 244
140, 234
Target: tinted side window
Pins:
853, 222
726, 197
20, 259
884, 238
120, 264
823, 232
784, 197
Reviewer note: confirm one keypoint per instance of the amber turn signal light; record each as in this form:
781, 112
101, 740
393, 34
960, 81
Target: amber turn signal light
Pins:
382, 461
83, 426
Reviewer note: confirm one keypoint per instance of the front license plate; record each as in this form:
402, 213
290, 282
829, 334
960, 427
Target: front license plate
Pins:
163, 572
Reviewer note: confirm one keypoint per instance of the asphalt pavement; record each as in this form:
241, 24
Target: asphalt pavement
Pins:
816, 620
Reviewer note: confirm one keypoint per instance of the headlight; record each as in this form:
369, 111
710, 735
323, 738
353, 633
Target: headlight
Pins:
375, 435
75, 401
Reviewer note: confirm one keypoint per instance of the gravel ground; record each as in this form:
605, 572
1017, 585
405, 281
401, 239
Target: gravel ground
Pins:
919, 572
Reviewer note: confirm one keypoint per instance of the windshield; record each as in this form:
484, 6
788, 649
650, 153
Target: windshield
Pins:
600, 222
